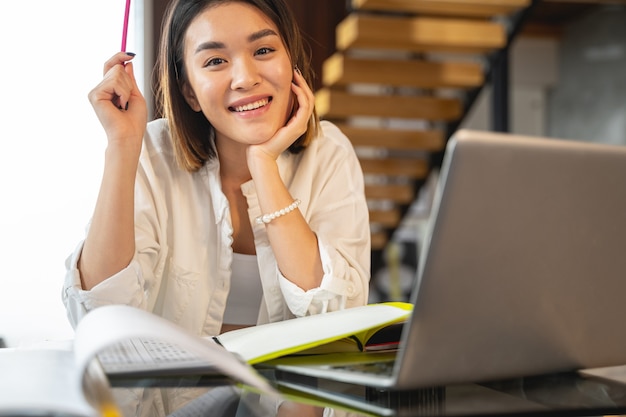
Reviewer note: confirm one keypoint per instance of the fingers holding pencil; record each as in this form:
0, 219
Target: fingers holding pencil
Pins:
121, 58
117, 99
119, 81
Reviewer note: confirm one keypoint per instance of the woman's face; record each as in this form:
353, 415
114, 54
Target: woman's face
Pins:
239, 72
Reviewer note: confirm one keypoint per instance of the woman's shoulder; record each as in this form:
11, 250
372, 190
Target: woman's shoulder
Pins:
330, 136
158, 150
157, 142
158, 137
331, 146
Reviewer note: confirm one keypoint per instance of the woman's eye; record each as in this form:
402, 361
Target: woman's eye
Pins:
264, 51
213, 62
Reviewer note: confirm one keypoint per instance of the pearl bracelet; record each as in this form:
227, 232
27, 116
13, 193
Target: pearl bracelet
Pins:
266, 218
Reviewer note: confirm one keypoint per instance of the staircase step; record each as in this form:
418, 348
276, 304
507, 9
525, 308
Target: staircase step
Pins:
340, 104
340, 70
419, 34
394, 139
395, 167
398, 193
469, 8
379, 240
387, 218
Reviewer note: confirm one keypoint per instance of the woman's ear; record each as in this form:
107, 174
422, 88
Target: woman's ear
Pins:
190, 97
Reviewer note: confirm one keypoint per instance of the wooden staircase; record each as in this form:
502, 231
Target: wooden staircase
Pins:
401, 80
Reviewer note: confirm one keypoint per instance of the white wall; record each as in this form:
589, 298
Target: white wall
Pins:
534, 69
570, 88
590, 101
51, 150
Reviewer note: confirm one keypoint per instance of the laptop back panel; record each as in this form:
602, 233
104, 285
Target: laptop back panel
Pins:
523, 270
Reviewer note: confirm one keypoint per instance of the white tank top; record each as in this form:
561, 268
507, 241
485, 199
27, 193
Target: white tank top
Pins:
246, 293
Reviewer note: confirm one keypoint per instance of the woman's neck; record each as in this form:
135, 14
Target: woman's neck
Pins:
233, 164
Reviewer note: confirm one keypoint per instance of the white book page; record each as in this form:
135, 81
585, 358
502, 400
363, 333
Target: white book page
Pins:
40, 382
109, 325
143, 356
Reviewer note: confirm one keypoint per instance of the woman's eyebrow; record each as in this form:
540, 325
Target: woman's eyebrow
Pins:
210, 45
261, 34
221, 45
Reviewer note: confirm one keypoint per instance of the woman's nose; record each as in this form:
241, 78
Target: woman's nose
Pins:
245, 74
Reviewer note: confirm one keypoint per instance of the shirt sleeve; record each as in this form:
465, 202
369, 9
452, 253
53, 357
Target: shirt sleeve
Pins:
333, 293
125, 287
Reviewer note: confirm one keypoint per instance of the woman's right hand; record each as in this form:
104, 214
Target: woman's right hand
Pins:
119, 104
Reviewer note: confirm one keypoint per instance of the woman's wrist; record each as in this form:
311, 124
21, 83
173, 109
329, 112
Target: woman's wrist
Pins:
260, 162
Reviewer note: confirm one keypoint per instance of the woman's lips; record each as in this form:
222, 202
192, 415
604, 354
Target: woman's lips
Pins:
251, 106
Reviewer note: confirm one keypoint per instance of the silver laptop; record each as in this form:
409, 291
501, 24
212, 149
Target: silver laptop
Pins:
522, 271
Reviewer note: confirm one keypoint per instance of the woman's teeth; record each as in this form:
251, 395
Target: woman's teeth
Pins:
252, 106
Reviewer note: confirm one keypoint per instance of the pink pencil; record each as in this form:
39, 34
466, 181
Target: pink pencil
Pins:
125, 29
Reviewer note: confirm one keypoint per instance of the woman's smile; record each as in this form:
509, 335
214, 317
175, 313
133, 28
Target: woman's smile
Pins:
246, 106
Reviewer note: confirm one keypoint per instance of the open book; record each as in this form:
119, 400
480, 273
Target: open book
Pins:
68, 382
131, 343
370, 327
365, 328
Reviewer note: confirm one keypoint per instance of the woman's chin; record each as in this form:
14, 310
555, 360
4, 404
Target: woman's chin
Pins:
255, 141
257, 137
254, 136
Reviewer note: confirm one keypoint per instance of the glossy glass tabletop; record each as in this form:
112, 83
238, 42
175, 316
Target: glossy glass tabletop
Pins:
565, 394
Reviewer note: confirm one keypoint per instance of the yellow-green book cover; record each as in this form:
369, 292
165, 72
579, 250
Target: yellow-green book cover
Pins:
346, 330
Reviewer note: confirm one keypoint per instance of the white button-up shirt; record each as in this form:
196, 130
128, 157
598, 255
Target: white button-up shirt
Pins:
183, 231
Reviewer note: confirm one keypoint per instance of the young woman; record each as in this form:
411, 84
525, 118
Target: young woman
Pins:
238, 207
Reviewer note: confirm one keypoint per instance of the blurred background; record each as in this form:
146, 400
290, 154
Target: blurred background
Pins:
543, 68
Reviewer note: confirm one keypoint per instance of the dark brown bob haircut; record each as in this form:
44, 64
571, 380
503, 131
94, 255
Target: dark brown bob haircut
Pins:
192, 134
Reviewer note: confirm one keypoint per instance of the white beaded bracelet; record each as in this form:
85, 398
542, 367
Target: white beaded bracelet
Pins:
266, 218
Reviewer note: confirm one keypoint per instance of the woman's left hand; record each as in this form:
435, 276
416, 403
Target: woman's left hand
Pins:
295, 126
